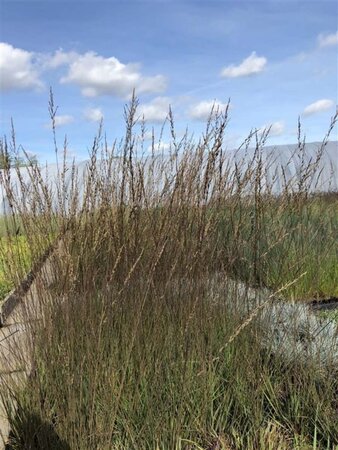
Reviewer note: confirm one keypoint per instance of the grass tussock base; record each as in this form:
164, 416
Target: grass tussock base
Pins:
144, 371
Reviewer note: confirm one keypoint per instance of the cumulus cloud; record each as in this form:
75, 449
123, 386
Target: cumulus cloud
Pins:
249, 66
93, 114
160, 147
318, 106
62, 120
59, 58
276, 128
202, 110
327, 40
155, 111
18, 69
96, 75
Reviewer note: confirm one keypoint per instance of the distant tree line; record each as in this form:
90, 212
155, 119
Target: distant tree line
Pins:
7, 160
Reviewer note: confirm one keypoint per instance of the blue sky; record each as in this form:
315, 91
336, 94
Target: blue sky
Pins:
276, 60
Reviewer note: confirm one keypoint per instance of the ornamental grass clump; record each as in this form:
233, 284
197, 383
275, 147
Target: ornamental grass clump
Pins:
137, 346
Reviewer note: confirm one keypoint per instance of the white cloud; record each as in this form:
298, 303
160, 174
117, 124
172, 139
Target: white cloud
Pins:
160, 147
251, 65
62, 120
318, 106
155, 111
326, 40
96, 75
276, 128
93, 114
202, 110
17, 69
60, 58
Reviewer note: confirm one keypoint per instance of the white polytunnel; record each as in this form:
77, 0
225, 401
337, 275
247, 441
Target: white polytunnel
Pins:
281, 165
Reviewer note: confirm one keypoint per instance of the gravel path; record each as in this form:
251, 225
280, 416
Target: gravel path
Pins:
15, 361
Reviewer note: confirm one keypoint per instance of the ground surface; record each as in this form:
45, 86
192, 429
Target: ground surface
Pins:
15, 342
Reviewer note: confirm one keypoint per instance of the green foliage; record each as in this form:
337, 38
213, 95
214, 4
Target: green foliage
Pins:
289, 239
8, 159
